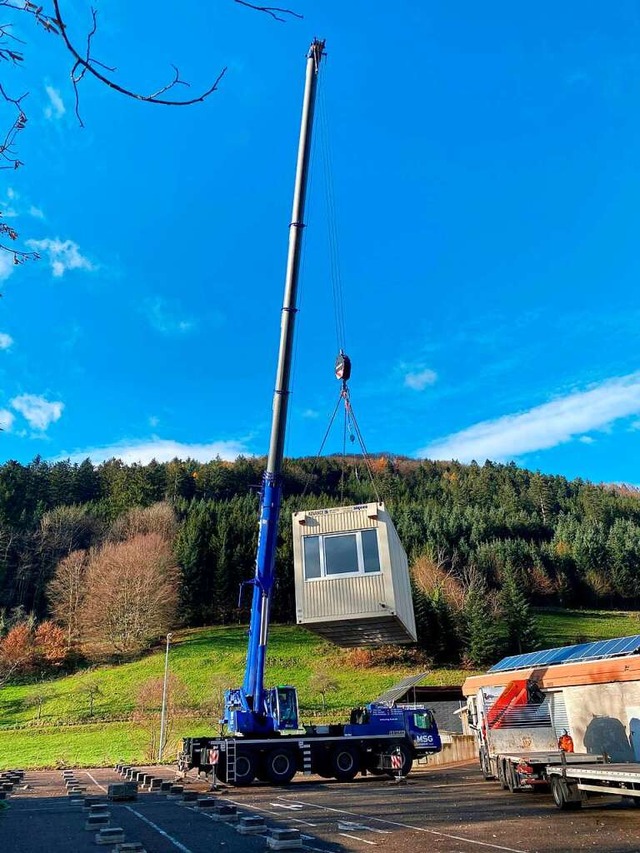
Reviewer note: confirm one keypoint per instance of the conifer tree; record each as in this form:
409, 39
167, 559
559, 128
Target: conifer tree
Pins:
520, 623
483, 644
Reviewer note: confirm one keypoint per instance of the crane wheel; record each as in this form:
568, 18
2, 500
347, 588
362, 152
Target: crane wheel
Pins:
345, 763
280, 766
407, 762
246, 767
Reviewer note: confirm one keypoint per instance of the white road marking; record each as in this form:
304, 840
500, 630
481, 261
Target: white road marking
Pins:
95, 781
355, 837
291, 807
158, 829
416, 828
299, 820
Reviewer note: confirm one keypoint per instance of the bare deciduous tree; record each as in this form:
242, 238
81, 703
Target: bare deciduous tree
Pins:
130, 597
159, 518
149, 709
65, 593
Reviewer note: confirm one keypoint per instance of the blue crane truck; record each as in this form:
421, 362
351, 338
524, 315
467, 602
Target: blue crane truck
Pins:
262, 737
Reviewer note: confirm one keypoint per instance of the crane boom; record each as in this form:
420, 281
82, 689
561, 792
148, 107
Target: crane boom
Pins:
249, 709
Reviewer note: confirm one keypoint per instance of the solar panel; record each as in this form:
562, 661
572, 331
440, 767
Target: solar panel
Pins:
565, 654
398, 690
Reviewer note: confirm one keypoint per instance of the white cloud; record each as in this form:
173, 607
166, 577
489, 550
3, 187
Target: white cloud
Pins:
36, 212
55, 109
311, 414
63, 255
153, 421
543, 426
162, 450
5, 340
586, 439
163, 317
6, 420
419, 379
39, 413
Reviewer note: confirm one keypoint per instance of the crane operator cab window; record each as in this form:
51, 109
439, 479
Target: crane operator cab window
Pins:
424, 720
287, 710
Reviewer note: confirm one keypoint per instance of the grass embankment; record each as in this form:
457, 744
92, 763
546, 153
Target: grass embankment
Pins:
49, 723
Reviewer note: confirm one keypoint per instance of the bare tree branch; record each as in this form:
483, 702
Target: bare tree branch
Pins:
274, 11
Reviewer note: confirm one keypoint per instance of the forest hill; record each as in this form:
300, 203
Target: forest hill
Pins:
484, 543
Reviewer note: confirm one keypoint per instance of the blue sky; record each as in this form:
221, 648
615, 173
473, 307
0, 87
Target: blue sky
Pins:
486, 176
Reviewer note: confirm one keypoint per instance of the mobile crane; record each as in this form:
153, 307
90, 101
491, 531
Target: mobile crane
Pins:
263, 736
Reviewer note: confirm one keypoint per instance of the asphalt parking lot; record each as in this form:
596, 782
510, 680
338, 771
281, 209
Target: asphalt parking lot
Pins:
449, 810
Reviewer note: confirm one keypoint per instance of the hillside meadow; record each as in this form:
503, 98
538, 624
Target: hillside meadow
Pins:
52, 723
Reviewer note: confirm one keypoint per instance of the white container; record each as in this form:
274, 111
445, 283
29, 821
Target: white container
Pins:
352, 576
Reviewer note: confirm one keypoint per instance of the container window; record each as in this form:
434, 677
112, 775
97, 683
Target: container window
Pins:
341, 555
370, 556
312, 567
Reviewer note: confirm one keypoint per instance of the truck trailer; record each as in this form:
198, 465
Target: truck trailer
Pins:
588, 695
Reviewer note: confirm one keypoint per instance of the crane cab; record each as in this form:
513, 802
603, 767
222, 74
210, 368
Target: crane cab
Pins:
282, 707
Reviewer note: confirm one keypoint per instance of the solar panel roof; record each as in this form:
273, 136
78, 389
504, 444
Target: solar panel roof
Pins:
568, 654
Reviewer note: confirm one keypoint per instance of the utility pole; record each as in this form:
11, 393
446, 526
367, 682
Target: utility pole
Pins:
163, 718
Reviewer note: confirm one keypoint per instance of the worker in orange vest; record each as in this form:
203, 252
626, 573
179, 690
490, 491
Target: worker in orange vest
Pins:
565, 741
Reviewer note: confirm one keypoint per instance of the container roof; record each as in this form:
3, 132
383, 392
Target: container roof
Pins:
599, 650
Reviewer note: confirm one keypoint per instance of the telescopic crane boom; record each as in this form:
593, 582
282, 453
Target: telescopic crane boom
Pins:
251, 709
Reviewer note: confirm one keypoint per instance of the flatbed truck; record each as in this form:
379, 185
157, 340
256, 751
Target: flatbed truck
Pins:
527, 770
572, 785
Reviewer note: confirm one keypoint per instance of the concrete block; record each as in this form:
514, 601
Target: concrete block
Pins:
251, 825
225, 813
176, 792
110, 835
129, 847
155, 784
88, 802
166, 787
189, 796
121, 791
284, 839
97, 822
206, 803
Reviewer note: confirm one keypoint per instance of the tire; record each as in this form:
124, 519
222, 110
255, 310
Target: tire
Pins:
560, 793
280, 766
485, 767
407, 762
345, 763
246, 767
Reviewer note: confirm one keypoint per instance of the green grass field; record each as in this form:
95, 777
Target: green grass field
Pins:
50, 723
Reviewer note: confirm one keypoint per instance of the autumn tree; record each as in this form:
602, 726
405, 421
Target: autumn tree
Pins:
50, 644
66, 591
130, 595
159, 518
17, 652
